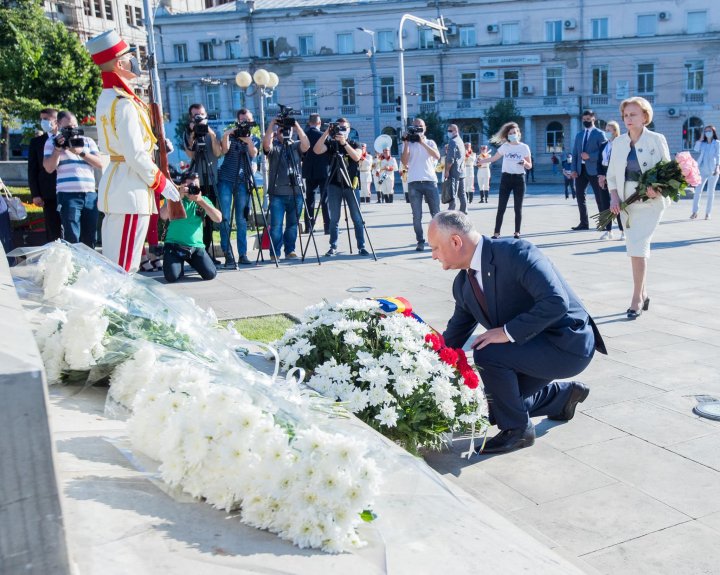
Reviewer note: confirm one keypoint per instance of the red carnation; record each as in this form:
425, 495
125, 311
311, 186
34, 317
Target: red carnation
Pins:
434, 340
448, 355
470, 378
462, 363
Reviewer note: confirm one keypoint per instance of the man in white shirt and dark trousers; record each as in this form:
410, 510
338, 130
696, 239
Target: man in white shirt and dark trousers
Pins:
586, 157
420, 155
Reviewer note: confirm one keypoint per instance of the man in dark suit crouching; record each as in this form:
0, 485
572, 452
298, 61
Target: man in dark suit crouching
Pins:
537, 328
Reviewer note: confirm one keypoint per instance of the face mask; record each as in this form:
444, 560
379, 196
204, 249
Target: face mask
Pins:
587, 124
609, 135
134, 66
513, 137
451, 134
46, 126
708, 135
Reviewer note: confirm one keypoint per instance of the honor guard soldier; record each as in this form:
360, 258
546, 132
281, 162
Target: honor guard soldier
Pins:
127, 188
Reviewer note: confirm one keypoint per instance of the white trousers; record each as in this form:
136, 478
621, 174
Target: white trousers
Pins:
711, 183
123, 238
483, 180
365, 180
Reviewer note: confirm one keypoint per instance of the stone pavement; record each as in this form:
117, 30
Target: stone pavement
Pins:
632, 484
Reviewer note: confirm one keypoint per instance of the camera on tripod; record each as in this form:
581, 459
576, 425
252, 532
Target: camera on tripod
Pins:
243, 129
285, 118
200, 127
335, 129
71, 138
413, 134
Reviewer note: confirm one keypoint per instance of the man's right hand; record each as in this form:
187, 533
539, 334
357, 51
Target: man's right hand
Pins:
38, 201
574, 175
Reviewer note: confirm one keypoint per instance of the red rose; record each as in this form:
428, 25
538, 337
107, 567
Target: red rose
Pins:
448, 355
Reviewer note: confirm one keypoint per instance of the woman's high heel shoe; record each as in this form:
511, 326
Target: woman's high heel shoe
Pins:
634, 313
646, 304
516, 235
495, 236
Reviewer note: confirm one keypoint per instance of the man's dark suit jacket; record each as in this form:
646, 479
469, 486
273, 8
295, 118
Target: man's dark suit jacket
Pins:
42, 185
314, 167
525, 293
595, 140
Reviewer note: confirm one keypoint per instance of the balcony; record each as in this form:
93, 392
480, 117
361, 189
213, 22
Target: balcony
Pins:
550, 101
387, 108
307, 110
529, 106
649, 97
599, 100
348, 110
695, 97
428, 107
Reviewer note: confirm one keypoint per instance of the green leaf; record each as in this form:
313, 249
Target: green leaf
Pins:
368, 516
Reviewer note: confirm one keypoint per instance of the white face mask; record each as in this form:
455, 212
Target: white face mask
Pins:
46, 126
609, 135
513, 137
708, 135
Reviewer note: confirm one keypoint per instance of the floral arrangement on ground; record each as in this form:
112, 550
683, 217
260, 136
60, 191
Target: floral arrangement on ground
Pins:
389, 368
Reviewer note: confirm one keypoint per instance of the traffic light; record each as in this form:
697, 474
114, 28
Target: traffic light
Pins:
398, 108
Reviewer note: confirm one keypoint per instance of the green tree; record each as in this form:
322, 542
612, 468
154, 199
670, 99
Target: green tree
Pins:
501, 113
434, 127
41, 64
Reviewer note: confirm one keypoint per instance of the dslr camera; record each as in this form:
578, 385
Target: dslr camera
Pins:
243, 129
335, 129
413, 134
193, 190
285, 118
71, 138
200, 127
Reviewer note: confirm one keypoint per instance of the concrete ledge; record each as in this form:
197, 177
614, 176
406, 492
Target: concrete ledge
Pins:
32, 536
14, 172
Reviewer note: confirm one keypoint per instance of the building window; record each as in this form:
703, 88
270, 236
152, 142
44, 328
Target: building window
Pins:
599, 28
646, 24
427, 88
138, 16
426, 38
387, 90
386, 40
87, 8
98, 8
109, 10
553, 81
692, 132
212, 99
206, 51
467, 36
697, 22
646, 78
471, 133
309, 94
232, 49
181, 54
267, 47
554, 138
553, 30
306, 45
345, 43
695, 75
511, 33
128, 14
142, 55
347, 89
237, 95
600, 80
468, 85
186, 96
511, 83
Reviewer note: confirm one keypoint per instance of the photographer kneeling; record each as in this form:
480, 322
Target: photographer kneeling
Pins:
184, 239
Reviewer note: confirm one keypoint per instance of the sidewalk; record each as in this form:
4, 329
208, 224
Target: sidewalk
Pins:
632, 484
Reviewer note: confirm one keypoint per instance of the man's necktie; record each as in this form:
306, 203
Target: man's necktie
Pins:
479, 294
585, 140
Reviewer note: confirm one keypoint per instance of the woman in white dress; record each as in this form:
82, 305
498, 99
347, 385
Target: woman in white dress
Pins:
709, 163
633, 153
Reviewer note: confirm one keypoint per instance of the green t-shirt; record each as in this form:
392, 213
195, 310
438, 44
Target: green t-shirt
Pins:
189, 231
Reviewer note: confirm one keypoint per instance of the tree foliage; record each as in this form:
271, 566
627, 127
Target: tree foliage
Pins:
41, 64
501, 113
434, 129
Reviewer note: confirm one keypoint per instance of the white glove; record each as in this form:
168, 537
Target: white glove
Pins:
170, 192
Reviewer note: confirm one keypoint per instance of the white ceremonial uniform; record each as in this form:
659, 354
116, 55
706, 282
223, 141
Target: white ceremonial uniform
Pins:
365, 169
387, 168
470, 171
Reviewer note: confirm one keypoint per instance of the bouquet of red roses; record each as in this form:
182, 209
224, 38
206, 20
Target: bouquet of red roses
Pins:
667, 178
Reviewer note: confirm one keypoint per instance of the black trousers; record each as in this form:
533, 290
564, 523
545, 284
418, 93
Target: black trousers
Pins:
515, 184
310, 189
53, 227
581, 184
176, 256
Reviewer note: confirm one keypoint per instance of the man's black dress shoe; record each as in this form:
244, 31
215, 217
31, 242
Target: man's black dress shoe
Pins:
581, 227
578, 394
510, 440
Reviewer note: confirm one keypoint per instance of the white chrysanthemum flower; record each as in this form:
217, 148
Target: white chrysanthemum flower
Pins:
404, 385
352, 339
132, 375
356, 400
82, 337
57, 262
388, 416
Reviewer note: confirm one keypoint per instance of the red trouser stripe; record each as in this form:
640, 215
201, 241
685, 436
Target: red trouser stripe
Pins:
131, 242
123, 240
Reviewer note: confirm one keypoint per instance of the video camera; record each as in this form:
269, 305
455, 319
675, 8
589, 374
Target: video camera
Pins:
200, 127
285, 118
71, 138
334, 129
413, 134
243, 129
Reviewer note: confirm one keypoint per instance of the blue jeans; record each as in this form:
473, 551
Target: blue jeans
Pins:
335, 195
288, 207
416, 192
225, 197
79, 216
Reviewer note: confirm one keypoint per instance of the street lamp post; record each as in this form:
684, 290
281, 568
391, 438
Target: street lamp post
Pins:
376, 89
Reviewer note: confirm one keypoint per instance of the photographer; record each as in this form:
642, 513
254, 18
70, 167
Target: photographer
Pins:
203, 148
315, 172
420, 156
239, 148
286, 195
75, 158
343, 155
184, 239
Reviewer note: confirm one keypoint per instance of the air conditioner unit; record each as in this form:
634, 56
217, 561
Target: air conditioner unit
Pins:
452, 30
570, 24
528, 90
673, 112
216, 42
493, 28
662, 16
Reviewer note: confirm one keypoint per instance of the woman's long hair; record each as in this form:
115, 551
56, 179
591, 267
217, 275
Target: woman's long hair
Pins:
502, 135
708, 127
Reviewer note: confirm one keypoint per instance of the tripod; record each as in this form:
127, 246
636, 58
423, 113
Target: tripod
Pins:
338, 171
201, 165
298, 188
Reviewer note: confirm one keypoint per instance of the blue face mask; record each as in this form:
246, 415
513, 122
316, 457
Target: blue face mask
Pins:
609, 135
708, 135
46, 126
513, 137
